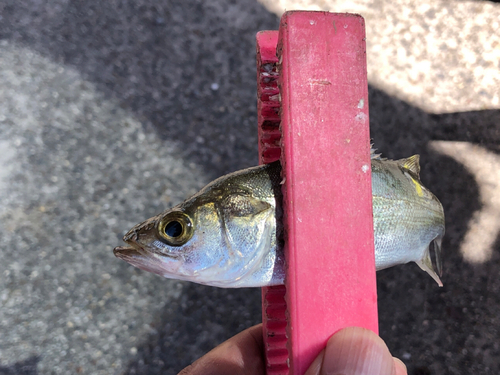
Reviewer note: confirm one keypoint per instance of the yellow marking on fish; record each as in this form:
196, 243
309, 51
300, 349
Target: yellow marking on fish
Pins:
418, 188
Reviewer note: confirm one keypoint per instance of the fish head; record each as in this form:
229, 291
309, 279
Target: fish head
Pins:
219, 237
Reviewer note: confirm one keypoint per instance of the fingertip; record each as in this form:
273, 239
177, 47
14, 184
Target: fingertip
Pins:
399, 367
359, 351
315, 367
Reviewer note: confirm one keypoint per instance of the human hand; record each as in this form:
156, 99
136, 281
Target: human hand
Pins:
351, 351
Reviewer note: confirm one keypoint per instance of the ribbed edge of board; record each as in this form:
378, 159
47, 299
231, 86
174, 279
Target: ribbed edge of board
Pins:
268, 109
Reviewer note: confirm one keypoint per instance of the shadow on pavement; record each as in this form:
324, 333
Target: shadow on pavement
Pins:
185, 69
453, 329
187, 72
27, 367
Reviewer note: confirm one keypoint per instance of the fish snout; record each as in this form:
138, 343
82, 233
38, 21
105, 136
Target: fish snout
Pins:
131, 236
144, 229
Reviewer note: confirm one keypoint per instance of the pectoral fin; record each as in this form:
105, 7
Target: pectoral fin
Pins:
426, 262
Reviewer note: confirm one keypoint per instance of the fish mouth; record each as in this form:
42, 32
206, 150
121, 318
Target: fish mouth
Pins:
141, 259
131, 255
126, 252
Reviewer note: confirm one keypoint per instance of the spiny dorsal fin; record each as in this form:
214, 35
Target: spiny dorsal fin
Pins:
373, 155
411, 163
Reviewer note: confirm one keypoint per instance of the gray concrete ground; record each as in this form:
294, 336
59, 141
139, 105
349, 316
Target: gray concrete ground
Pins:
112, 111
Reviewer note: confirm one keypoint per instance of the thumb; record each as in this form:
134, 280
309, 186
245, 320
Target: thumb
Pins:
356, 351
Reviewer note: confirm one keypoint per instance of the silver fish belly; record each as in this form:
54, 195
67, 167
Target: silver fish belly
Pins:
229, 234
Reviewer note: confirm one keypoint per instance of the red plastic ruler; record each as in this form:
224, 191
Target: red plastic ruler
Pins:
313, 116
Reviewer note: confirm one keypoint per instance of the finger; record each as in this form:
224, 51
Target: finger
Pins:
357, 351
240, 355
400, 367
315, 367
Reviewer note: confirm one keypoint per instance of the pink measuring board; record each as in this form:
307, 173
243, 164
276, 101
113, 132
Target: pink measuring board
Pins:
313, 116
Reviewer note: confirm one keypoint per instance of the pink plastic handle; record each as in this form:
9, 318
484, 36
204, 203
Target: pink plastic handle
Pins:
329, 249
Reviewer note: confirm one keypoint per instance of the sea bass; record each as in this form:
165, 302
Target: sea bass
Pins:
229, 234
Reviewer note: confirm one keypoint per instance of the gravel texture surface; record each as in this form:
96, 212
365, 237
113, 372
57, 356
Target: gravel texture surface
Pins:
113, 111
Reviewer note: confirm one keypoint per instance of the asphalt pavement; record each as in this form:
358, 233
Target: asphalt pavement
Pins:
111, 112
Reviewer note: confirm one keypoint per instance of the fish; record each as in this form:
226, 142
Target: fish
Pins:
230, 233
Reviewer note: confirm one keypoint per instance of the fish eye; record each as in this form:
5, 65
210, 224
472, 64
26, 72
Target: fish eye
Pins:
176, 228
173, 229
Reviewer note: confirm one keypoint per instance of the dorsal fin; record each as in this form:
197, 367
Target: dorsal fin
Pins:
373, 155
411, 163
